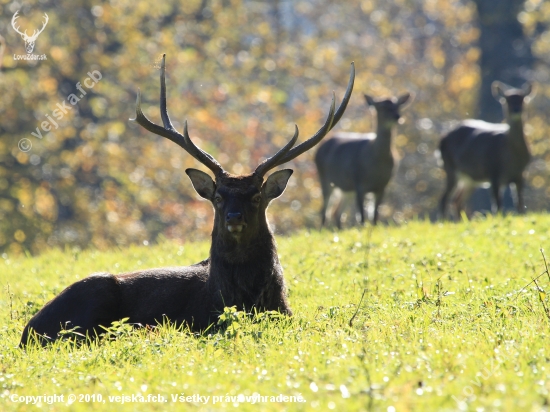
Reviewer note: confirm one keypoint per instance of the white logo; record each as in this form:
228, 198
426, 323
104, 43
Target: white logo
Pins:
29, 40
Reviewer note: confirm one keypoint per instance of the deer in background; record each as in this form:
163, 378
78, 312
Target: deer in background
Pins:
242, 270
477, 152
360, 162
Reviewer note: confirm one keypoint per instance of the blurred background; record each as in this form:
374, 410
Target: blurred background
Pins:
242, 72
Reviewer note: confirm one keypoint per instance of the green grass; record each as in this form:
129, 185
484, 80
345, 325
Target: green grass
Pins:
444, 325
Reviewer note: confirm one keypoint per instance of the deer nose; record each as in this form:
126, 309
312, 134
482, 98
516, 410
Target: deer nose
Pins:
234, 217
234, 222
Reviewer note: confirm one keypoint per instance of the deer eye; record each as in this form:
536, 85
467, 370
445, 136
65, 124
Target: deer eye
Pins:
257, 199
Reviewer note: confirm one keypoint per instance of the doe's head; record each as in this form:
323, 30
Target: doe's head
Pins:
388, 110
510, 98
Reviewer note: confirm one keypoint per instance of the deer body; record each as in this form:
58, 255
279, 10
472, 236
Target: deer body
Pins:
360, 162
243, 269
478, 152
193, 295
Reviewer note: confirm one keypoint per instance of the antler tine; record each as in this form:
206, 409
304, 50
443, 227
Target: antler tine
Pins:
347, 96
332, 119
168, 130
271, 162
205, 158
163, 107
144, 122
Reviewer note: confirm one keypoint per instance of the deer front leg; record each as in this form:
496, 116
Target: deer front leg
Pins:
451, 185
360, 200
496, 192
520, 205
377, 200
326, 189
337, 211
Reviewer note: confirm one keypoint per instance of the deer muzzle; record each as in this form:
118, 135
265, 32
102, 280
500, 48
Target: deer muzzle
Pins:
235, 228
234, 222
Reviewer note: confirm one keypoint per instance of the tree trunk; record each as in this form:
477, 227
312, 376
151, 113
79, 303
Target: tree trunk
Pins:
505, 52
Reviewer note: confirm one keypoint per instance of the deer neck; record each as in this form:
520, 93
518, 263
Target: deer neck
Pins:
384, 132
238, 273
516, 136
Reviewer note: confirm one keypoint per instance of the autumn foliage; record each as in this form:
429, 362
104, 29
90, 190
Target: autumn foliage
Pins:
242, 73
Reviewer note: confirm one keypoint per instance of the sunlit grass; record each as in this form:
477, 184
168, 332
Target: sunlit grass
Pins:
444, 324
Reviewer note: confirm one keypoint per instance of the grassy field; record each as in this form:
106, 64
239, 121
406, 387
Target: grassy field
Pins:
449, 321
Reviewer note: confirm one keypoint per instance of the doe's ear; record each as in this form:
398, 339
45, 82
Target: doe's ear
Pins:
203, 184
498, 89
405, 100
275, 184
528, 91
370, 100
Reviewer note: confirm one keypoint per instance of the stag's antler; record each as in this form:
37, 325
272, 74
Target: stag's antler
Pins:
288, 153
284, 155
168, 130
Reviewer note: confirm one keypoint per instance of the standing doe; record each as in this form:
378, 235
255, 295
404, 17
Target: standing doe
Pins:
477, 152
360, 162
242, 270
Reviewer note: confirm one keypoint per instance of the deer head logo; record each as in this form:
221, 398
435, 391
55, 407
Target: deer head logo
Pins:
29, 40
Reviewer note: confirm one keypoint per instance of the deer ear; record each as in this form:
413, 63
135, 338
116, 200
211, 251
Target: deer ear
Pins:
527, 90
203, 184
275, 184
370, 100
405, 99
498, 89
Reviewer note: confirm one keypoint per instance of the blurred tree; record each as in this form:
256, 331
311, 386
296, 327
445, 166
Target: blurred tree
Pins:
242, 72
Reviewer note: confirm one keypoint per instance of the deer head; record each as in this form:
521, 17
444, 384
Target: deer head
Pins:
388, 110
239, 201
511, 98
29, 40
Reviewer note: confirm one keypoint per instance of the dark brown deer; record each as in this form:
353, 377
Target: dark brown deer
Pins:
243, 269
360, 162
477, 152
